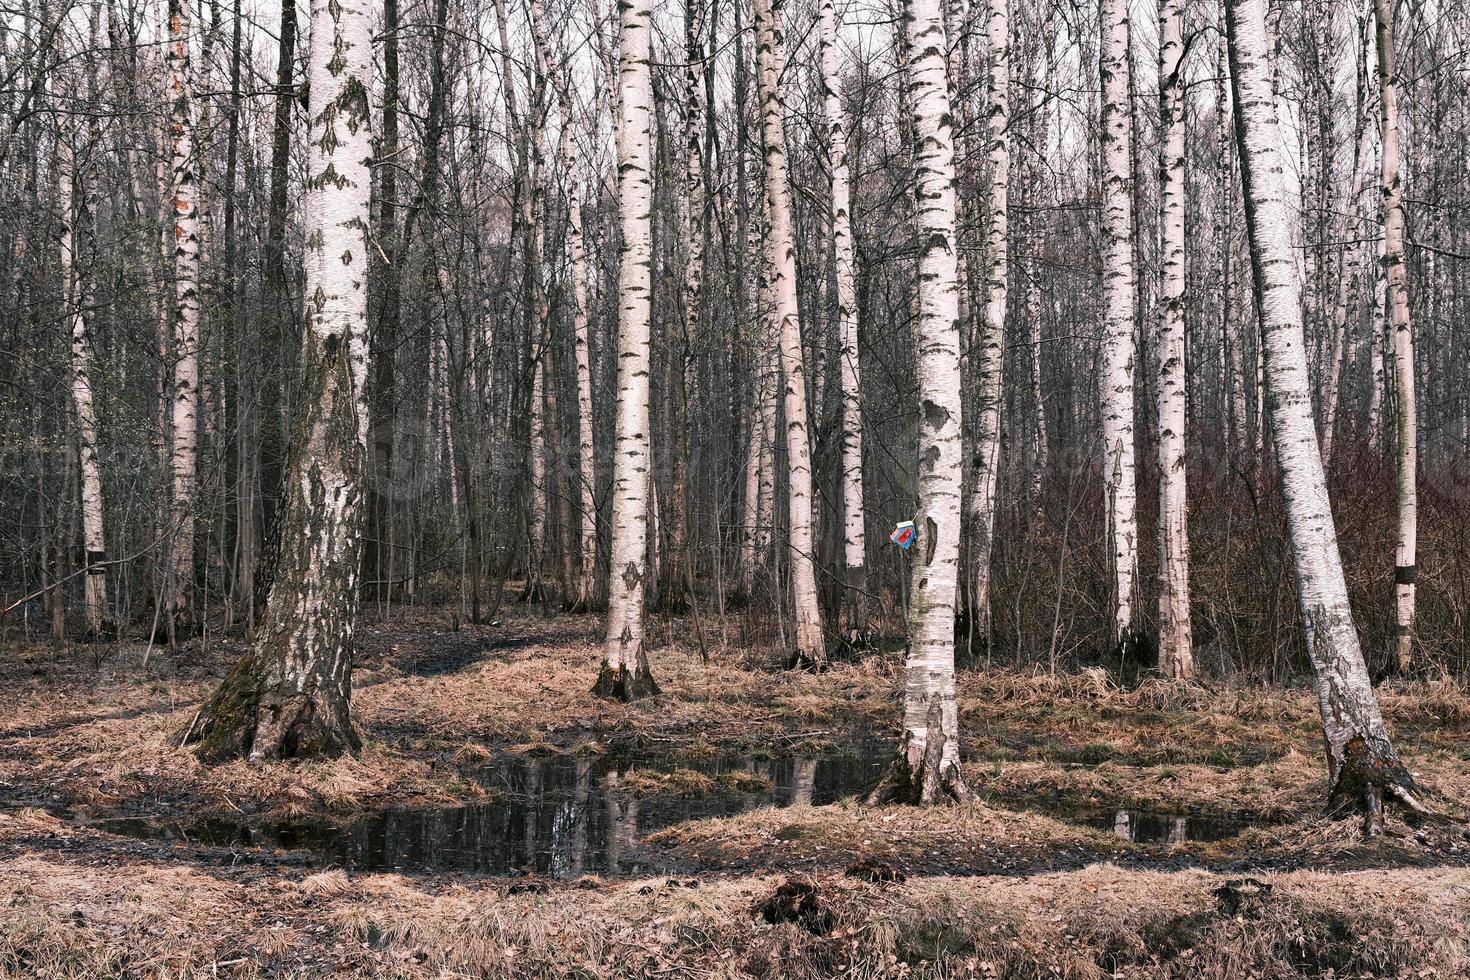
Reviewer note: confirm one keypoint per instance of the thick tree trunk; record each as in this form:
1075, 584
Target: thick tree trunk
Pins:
184, 455
927, 769
1115, 384
811, 648
854, 544
625, 674
291, 695
1362, 764
1176, 656
1395, 275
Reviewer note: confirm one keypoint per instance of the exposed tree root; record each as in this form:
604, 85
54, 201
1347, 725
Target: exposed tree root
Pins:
933, 781
1369, 776
622, 684
250, 718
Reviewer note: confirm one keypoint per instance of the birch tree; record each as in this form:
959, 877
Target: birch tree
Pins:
291, 695
1115, 384
83, 371
781, 254
625, 674
927, 769
854, 535
184, 455
586, 594
1396, 279
985, 467
1176, 657
1362, 764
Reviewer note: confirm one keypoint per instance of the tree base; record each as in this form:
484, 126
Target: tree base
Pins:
535, 594
584, 602
798, 660
1370, 775
247, 719
932, 781
622, 684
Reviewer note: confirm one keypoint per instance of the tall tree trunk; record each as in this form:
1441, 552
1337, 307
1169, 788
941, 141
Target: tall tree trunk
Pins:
587, 591
990, 373
1395, 275
1176, 657
272, 337
811, 650
625, 674
1349, 280
184, 455
854, 535
927, 769
1362, 764
1115, 385
383, 407
291, 695
83, 370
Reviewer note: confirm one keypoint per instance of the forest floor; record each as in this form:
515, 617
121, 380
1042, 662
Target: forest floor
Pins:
1162, 830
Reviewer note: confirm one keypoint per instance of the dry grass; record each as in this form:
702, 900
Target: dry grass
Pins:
67, 919
76, 902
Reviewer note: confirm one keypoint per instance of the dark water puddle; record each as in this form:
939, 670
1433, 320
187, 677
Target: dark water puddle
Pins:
1151, 827
561, 816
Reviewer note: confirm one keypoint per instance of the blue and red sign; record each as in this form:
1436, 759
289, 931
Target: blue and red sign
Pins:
903, 535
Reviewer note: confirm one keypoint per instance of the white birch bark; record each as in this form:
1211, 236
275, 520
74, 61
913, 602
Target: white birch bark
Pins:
1176, 658
183, 457
1362, 764
927, 768
625, 672
806, 611
83, 369
990, 371
1115, 385
1395, 276
291, 696
854, 549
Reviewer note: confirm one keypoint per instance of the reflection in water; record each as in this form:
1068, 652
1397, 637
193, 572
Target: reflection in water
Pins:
1164, 828
561, 816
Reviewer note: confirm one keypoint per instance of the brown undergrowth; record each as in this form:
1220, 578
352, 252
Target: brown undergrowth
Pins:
433, 702
66, 917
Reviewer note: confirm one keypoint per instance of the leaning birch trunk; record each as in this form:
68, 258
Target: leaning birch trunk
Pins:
1396, 277
1176, 658
291, 695
985, 468
625, 674
927, 769
1115, 386
1362, 764
183, 457
586, 593
854, 550
806, 612
94, 540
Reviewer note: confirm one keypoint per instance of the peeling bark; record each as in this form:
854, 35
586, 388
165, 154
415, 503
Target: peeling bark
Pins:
927, 769
291, 695
1361, 762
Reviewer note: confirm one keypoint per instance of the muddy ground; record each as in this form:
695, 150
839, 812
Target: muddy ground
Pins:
680, 819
